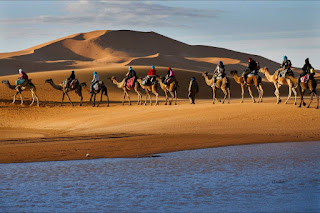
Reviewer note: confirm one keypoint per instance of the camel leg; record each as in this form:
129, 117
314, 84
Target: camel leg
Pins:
172, 97
261, 92
175, 95
32, 98
295, 95
277, 93
290, 93
124, 97
259, 98
100, 99
166, 99
225, 95
242, 93
229, 95
91, 98
250, 92
311, 99
62, 98
317, 101
21, 98
129, 98
35, 95
157, 97
301, 98
14, 97
213, 94
94, 99
70, 99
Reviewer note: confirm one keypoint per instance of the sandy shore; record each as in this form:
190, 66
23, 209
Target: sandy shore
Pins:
29, 134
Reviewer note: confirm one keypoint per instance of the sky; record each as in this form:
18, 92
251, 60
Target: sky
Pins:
271, 29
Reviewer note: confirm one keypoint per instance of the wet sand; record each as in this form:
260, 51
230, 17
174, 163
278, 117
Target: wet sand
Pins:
50, 133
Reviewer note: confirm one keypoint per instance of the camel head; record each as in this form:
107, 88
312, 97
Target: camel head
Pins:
5, 81
48, 80
234, 72
112, 78
263, 70
205, 74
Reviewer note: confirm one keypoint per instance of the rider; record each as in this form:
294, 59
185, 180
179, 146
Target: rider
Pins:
169, 76
252, 68
71, 78
285, 67
94, 80
130, 74
151, 74
22, 78
306, 70
219, 72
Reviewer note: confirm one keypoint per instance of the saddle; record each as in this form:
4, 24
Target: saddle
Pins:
72, 84
130, 82
97, 86
305, 78
149, 80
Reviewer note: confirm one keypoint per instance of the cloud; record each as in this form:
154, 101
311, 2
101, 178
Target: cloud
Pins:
119, 14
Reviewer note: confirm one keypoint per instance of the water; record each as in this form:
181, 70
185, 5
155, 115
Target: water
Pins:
283, 177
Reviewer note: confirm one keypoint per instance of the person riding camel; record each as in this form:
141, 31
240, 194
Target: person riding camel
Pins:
151, 76
251, 69
131, 74
22, 78
285, 67
94, 81
169, 77
71, 78
307, 69
219, 72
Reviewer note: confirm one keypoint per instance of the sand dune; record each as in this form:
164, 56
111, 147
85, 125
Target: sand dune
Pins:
123, 47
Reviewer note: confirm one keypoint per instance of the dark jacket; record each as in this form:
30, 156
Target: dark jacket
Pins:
286, 64
193, 88
252, 65
72, 76
131, 74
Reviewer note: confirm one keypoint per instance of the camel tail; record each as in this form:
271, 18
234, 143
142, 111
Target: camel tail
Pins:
84, 84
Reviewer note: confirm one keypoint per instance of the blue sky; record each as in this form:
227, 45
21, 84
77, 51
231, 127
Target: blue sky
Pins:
267, 28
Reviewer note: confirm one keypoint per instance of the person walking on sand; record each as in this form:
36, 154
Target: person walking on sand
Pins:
193, 90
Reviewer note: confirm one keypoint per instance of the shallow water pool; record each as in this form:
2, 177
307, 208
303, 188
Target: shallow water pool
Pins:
279, 177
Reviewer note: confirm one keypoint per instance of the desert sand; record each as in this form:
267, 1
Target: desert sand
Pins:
51, 132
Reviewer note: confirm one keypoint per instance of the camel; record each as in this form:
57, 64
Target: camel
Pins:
278, 82
101, 87
19, 88
62, 87
223, 84
149, 88
251, 80
172, 89
303, 86
126, 90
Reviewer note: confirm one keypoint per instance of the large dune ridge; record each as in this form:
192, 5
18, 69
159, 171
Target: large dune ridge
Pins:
119, 48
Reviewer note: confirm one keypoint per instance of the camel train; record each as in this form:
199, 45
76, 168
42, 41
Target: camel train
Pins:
170, 89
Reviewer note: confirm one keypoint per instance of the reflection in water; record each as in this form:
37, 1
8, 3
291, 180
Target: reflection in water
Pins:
255, 178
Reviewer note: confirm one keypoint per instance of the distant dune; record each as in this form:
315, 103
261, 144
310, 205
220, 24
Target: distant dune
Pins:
120, 48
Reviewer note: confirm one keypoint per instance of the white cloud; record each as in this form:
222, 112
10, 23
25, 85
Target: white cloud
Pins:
118, 13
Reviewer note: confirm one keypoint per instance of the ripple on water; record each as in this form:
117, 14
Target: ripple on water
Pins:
283, 177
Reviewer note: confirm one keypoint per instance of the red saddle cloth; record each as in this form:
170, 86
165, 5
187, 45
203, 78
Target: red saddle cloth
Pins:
130, 82
305, 78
